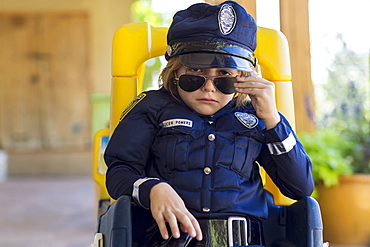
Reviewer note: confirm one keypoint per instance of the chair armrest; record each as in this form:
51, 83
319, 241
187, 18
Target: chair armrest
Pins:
299, 224
116, 224
304, 223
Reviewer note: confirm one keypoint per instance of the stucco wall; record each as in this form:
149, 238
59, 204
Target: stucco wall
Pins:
105, 16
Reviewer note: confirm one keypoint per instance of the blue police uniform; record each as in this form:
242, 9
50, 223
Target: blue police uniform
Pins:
211, 161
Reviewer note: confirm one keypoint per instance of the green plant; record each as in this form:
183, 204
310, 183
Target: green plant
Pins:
328, 152
359, 154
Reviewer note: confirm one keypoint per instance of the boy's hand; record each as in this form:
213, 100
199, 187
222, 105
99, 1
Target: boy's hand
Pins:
262, 94
167, 206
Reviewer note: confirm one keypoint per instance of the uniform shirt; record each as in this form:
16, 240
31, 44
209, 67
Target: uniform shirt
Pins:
211, 161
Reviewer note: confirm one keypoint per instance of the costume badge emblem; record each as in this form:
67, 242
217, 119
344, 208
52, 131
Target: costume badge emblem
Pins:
226, 19
248, 120
169, 50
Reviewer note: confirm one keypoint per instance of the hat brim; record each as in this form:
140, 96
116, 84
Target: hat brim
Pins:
215, 60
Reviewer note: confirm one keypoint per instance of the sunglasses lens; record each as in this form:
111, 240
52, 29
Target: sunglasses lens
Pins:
190, 83
225, 84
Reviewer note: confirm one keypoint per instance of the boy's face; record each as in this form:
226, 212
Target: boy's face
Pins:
206, 100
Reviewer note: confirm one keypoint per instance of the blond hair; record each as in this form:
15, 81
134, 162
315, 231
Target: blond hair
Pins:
168, 78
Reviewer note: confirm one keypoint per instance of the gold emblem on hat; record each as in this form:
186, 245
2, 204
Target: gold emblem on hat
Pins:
169, 50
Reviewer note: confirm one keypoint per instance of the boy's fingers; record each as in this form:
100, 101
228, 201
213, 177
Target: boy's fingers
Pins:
174, 227
162, 228
198, 231
187, 225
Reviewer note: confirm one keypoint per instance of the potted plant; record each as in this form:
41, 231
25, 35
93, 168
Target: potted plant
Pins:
340, 148
341, 172
341, 169
328, 158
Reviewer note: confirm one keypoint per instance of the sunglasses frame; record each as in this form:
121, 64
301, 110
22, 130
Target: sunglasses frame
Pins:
206, 77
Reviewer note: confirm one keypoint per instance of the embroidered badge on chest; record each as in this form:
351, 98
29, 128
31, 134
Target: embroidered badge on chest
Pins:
176, 122
248, 120
226, 19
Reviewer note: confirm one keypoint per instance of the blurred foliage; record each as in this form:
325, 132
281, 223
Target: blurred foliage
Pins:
142, 11
341, 144
347, 104
329, 159
347, 92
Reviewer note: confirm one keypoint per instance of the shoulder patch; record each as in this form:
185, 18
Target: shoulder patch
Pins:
133, 103
248, 120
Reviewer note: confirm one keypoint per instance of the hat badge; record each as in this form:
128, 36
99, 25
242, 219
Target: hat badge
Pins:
226, 19
248, 120
169, 50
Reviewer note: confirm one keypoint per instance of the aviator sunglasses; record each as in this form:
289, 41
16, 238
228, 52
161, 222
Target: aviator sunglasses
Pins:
191, 83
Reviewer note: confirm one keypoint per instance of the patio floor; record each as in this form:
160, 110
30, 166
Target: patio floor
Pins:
50, 212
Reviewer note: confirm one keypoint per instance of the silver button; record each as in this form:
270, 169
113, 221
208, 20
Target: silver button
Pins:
207, 170
211, 137
206, 210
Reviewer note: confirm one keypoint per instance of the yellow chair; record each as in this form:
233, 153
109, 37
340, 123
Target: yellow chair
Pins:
135, 43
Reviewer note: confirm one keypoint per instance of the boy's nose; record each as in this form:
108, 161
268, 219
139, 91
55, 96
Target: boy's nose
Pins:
208, 85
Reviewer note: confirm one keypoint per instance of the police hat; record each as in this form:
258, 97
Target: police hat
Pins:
213, 36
